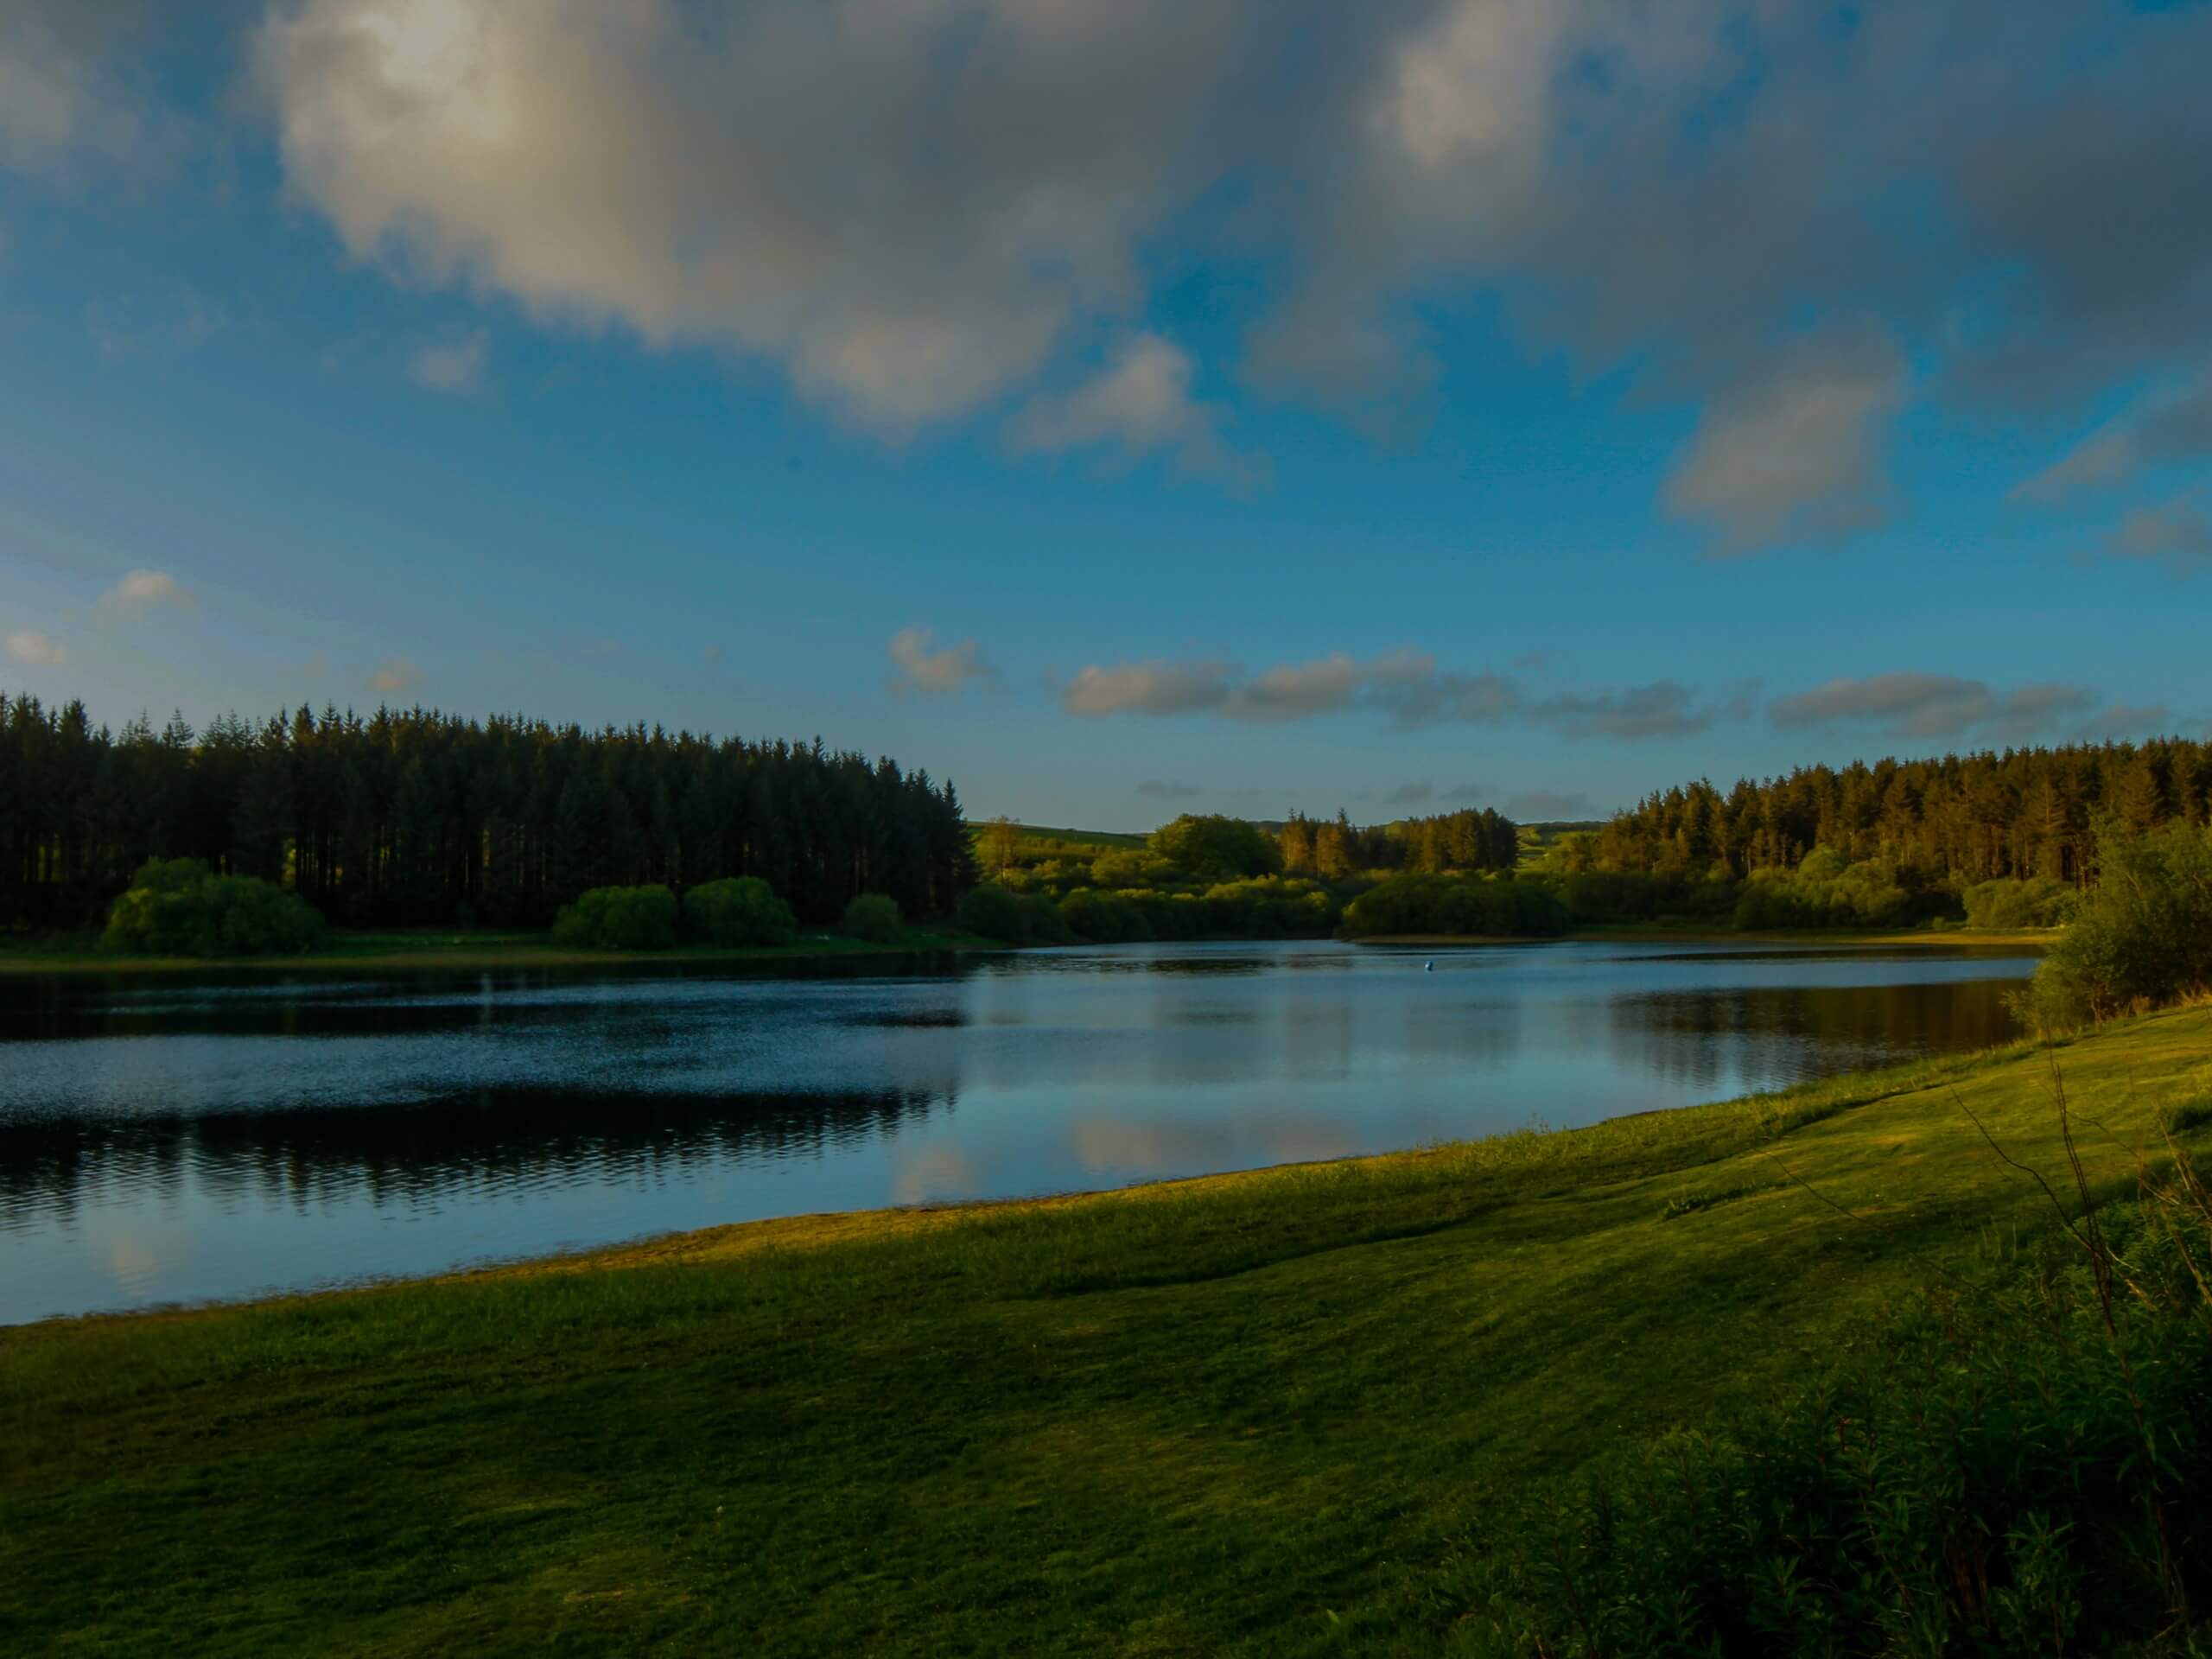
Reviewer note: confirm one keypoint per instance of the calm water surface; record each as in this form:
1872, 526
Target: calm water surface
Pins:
162, 1141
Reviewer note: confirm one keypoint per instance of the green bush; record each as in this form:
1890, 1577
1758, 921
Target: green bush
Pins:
1216, 848
1824, 892
1639, 896
176, 907
619, 918
2038, 902
1105, 918
991, 912
874, 918
1972, 1481
1271, 907
2142, 934
1497, 906
741, 910
1047, 925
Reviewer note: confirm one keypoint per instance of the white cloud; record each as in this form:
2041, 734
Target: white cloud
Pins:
455, 368
61, 104
2124, 720
1141, 403
395, 677
1674, 189
1152, 688
2177, 534
1662, 708
2175, 426
704, 174
1298, 692
39, 650
921, 668
1795, 451
1403, 683
145, 587
1933, 705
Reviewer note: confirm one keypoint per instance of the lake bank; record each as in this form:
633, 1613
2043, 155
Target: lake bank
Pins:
429, 949
436, 949
1236, 1414
1665, 933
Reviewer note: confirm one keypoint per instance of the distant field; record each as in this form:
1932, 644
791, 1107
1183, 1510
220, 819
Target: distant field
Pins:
1104, 839
1537, 840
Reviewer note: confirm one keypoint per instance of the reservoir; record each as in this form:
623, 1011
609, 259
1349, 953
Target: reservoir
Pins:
172, 1140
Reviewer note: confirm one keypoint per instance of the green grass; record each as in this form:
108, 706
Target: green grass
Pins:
475, 949
1243, 1414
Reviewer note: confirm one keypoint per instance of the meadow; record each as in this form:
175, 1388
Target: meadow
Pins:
1253, 1414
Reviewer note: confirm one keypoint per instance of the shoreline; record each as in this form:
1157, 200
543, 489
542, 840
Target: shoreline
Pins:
1986, 939
481, 952
75, 956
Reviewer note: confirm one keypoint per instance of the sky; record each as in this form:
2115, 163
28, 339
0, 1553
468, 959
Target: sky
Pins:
1129, 409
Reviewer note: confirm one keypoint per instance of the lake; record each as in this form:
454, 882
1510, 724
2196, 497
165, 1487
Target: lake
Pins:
164, 1141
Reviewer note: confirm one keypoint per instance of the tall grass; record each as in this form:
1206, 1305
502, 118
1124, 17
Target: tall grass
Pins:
2010, 1465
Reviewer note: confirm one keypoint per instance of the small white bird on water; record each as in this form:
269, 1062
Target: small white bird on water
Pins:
1428, 967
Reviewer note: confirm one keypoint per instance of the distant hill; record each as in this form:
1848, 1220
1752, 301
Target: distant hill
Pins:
1537, 840
1104, 840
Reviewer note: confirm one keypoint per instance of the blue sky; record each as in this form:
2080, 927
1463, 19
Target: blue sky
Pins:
1122, 410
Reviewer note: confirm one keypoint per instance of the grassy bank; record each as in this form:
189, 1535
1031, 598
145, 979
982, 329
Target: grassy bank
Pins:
433, 948
490, 950
1240, 1415
1841, 938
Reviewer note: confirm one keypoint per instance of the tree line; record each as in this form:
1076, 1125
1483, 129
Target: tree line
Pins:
419, 816
1335, 848
2021, 814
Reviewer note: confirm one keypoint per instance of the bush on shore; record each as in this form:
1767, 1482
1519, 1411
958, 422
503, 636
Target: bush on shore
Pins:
1972, 1481
2141, 935
874, 917
2038, 901
619, 918
737, 911
1500, 907
177, 907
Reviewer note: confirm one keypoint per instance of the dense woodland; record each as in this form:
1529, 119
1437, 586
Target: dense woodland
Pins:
1961, 820
416, 816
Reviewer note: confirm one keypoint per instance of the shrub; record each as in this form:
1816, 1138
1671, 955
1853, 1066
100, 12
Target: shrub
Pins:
991, 912
1824, 892
874, 917
1493, 905
1134, 867
741, 910
2038, 902
1974, 1481
2142, 934
1104, 917
1216, 848
176, 907
1046, 923
619, 918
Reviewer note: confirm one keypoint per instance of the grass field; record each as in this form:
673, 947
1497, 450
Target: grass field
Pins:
1234, 1415
411, 949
